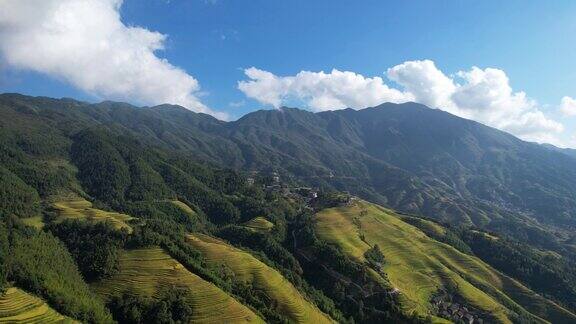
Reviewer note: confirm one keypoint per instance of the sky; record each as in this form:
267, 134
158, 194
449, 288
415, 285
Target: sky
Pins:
508, 64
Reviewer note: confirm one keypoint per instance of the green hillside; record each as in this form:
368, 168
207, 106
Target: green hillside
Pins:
87, 189
283, 295
36, 221
408, 156
82, 210
184, 208
420, 268
259, 224
145, 272
40, 264
17, 306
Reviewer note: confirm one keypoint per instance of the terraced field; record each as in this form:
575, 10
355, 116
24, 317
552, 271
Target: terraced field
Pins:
259, 224
287, 299
145, 272
425, 225
17, 306
37, 222
419, 266
184, 207
82, 209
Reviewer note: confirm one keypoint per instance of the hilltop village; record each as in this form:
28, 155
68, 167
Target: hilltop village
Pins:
273, 182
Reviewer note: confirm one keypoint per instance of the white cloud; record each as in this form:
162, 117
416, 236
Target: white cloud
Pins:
484, 95
568, 106
237, 104
425, 82
319, 90
85, 43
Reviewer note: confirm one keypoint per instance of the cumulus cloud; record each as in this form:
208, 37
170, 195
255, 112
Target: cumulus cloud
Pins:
425, 82
319, 90
568, 106
85, 43
484, 95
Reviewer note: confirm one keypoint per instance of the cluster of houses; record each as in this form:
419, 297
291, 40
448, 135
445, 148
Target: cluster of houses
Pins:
455, 312
275, 185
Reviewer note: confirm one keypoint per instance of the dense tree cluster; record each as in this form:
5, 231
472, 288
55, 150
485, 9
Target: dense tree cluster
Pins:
93, 247
374, 255
168, 211
41, 264
450, 234
117, 169
264, 243
102, 169
16, 197
170, 307
4, 256
547, 274
42, 175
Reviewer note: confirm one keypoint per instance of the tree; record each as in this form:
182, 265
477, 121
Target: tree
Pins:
374, 255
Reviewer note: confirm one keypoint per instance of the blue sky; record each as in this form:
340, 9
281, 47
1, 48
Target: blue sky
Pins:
532, 42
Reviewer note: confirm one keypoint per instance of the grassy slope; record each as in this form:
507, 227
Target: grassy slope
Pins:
36, 221
145, 271
82, 209
17, 306
424, 224
288, 300
259, 224
419, 266
184, 207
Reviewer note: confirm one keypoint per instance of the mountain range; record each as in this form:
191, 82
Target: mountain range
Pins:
406, 156
115, 213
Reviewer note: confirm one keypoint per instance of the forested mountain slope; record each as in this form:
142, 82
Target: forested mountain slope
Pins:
84, 188
88, 208
406, 156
